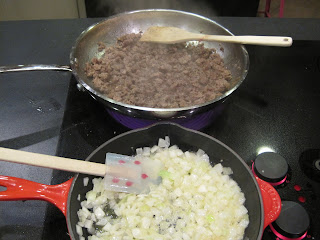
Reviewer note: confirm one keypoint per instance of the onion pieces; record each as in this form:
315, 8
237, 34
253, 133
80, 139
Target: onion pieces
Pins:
194, 201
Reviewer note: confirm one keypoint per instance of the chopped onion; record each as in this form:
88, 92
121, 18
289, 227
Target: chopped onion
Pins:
102, 221
79, 230
164, 143
99, 213
146, 151
167, 139
85, 181
194, 201
139, 151
88, 224
154, 149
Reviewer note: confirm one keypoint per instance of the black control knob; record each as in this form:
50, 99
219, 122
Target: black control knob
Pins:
271, 167
293, 221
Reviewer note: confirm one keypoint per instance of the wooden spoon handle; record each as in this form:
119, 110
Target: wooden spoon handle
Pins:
59, 163
256, 40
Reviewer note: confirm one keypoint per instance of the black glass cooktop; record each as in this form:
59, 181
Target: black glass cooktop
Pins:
277, 109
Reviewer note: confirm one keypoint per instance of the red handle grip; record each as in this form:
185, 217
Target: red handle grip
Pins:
21, 189
271, 202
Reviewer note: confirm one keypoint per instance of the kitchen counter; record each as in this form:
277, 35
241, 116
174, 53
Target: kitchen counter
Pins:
37, 113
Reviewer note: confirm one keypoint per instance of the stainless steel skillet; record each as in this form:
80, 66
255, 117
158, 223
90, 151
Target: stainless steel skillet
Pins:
107, 31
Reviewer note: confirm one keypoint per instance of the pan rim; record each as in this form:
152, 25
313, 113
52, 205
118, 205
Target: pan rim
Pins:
73, 63
68, 215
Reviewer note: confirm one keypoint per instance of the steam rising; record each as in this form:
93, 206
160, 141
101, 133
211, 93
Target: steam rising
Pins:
110, 7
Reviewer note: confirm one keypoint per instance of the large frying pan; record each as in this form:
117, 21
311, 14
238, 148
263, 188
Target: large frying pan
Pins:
235, 56
262, 200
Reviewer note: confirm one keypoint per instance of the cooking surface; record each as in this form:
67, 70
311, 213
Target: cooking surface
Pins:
277, 107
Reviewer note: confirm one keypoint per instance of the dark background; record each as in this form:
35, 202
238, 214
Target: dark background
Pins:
230, 8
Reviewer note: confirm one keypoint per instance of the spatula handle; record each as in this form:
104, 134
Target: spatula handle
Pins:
256, 40
59, 163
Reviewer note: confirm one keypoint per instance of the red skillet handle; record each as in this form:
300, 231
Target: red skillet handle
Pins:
21, 189
271, 202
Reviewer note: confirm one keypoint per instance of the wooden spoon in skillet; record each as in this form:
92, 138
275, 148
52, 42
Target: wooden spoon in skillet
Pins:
170, 35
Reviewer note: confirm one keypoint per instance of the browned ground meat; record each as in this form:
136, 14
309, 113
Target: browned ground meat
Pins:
158, 75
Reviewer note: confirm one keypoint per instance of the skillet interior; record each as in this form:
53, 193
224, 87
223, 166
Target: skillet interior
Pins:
107, 31
186, 140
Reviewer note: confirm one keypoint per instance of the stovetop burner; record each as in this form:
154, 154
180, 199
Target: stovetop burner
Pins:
276, 107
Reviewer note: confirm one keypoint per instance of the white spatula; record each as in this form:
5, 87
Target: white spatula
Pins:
122, 173
170, 35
